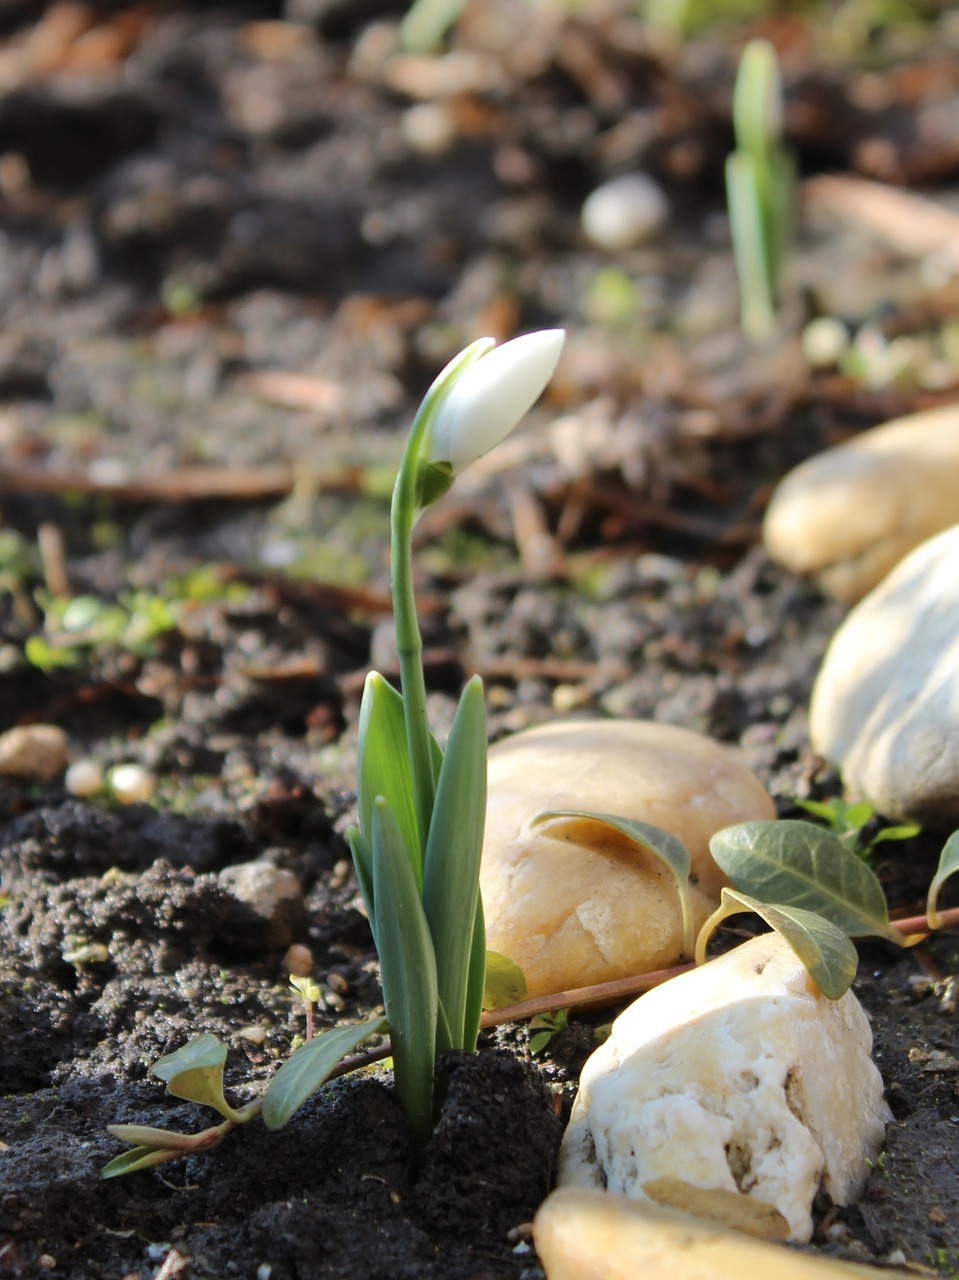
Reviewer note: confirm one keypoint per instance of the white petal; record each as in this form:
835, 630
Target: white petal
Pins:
488, 399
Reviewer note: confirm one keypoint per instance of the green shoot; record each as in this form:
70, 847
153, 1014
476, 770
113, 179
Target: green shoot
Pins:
848, 822
309, 993
760, 178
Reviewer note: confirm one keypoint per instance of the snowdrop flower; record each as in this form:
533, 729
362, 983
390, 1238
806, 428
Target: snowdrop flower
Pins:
487, 400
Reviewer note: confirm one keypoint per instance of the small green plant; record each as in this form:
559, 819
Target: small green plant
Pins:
848, 822
546, 1026
760, 180
422, 810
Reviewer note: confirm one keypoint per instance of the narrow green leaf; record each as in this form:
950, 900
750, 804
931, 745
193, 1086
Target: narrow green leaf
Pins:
453, 852
383, 765
797, 864
539, 1042
670, 851
819, 809
309, 1068
363, 865
750, 245
476, 980
195, 1072
135, 1160
505, 982
904, 832
823, 948
408, 970
948, 865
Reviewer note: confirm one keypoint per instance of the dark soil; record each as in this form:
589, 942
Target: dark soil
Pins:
226, 277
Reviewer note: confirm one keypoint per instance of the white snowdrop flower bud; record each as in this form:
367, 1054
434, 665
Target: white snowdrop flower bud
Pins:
132, 784
490, 396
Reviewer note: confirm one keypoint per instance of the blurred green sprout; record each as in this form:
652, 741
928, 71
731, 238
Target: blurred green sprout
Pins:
760, 182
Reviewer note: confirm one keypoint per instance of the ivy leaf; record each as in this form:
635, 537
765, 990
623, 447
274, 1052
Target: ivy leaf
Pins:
309, 1068
948, 865
137, 1159
505, 982
796, 864
669, 849
195, 1073
823, 947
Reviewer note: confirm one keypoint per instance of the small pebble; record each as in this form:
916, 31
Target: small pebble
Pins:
132, 784
624, 212
84, 778
298, 961
34, 752
824, 341
428, 128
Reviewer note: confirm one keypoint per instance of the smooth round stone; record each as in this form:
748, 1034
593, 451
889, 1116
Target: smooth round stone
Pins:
848, 515
885, 705
624, 212
33, 752
591, 1235
574, 903
824, 341
132, 783
738, 1077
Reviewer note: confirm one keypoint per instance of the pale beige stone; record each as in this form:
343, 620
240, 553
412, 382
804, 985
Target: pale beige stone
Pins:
575, 903
740, 1076
590, 1235
34, 752
848, 515
885, 705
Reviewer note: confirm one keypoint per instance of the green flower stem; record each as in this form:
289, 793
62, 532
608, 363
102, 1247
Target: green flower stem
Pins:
409, 644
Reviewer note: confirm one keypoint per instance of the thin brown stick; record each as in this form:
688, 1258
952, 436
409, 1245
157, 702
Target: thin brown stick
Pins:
604, 993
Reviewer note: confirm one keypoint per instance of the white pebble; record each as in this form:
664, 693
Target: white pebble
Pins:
429, 128
132, 784
84, 778
824, 341
624, 212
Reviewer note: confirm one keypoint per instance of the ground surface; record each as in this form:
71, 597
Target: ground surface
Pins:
229, 266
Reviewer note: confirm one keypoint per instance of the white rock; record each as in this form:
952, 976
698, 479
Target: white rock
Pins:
824, 340
132, 783
84, 778
588, 1235
885, 705
34, 752
274, 899
624, 212
575, 903
848, 515
739, 1075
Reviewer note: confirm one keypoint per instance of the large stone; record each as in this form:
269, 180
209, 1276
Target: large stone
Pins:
573, 903
848, 515
885, 705
739, 1076
589, 1235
